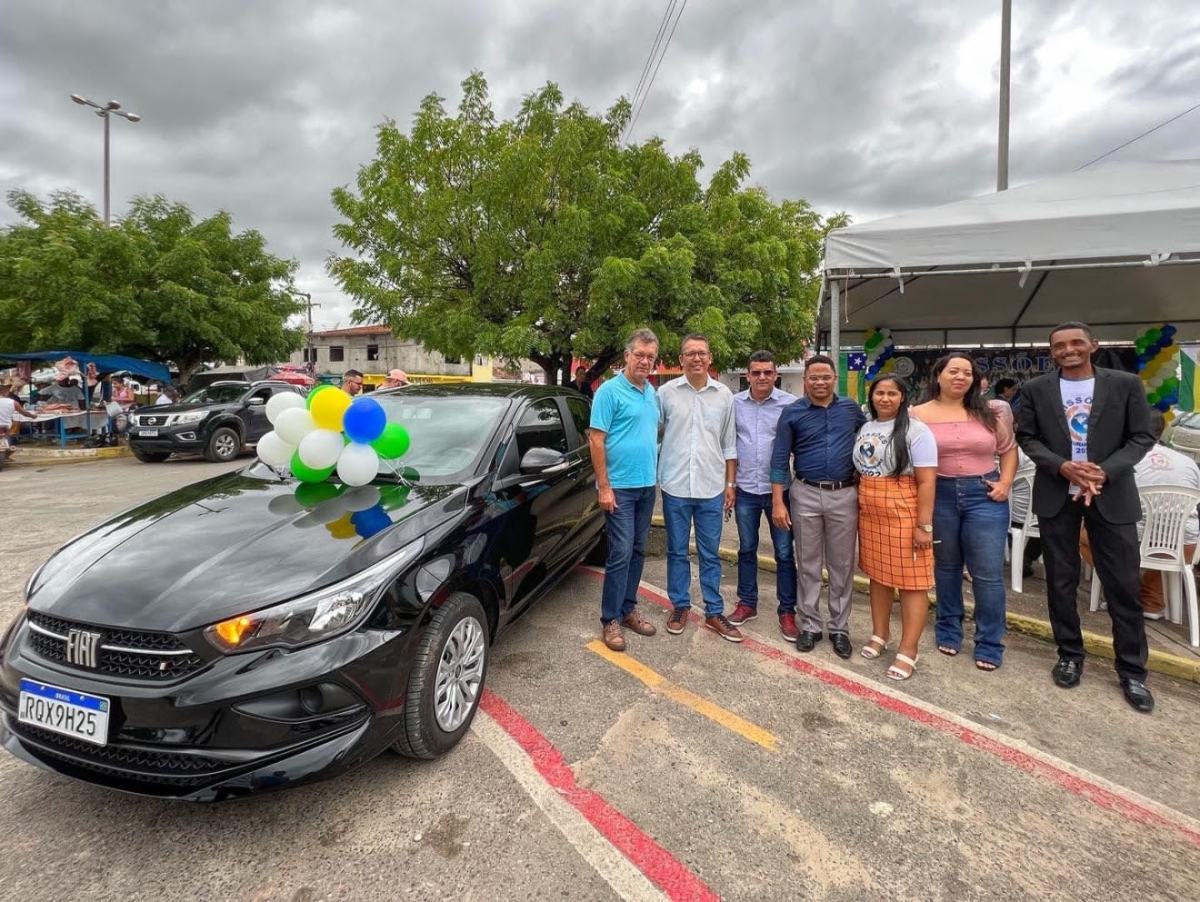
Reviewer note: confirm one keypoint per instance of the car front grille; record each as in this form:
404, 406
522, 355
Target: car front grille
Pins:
120, 762
147, 420
131, 654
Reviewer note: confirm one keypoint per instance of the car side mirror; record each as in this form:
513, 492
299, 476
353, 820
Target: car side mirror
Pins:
256, 402
542, 461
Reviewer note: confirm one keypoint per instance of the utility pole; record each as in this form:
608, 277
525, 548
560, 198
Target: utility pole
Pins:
1005, 45
308, 348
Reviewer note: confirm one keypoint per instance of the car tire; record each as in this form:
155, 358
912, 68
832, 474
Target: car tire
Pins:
223, 445
447, 679
149, 457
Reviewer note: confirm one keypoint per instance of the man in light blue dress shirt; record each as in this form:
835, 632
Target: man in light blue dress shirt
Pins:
696, 468
756, 413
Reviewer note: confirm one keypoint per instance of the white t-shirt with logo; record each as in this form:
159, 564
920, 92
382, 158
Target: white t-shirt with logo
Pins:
1077, 408
1166, 466
873, 454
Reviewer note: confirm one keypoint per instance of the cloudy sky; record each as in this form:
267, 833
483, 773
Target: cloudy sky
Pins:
868, 106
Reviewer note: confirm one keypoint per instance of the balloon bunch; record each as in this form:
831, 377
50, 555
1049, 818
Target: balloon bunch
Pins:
361, 511
879, 348
1157, 362
330, 431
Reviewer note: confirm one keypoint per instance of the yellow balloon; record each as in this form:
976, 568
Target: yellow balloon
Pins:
342, 528
329, 407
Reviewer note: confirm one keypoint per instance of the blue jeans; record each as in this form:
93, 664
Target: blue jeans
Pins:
680, 514
971, 530
749, 510
626, 528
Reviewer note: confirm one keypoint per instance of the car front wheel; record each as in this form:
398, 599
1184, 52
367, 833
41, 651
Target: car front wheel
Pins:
223, 445
447, 679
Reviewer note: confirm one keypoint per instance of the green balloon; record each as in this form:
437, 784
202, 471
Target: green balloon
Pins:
305, 473
313, 493
393, 443
312, 394
872, 340
1152, 336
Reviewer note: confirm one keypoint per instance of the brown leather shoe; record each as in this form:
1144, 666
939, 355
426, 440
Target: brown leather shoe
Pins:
723, 628
639, 624
613, 637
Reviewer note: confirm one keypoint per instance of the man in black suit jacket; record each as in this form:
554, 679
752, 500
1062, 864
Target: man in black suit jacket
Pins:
1085, 428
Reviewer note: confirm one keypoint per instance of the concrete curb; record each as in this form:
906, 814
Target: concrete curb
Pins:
83, 455
1100, 646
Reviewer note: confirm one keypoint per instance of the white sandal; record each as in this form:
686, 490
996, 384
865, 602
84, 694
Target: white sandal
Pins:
895, 673
871, 653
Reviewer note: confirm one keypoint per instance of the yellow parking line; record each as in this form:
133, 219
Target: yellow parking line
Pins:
663, 686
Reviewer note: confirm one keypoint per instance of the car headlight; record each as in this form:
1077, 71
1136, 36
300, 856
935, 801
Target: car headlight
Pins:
315, 617
192, 416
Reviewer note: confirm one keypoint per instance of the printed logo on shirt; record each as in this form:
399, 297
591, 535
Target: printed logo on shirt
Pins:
1078, 409
1157, 461
869, 453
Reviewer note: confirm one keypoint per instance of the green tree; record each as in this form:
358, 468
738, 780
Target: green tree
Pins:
157, 285
545, 237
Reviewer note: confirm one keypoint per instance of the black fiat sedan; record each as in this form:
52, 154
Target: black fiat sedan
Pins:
251, 632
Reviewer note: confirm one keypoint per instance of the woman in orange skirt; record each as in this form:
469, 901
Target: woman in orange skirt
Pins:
896, 458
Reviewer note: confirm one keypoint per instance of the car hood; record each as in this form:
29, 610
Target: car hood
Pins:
230, 545
160, 409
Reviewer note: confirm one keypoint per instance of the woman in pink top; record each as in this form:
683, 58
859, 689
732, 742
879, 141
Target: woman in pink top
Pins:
970, 512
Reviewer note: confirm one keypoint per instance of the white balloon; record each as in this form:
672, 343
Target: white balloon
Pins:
320, 448
328, 511
361, 498
358, 464
274, 451
284, 505
294, 423
286, 400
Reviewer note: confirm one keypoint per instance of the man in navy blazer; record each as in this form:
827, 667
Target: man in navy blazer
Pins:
1085, 427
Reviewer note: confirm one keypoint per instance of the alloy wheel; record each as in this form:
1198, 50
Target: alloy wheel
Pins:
459, 674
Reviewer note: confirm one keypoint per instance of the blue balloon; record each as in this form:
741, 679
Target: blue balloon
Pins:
1164, 405
364, 420
1168, 331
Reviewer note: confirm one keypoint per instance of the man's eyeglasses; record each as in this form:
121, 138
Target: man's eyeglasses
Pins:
764, 374
695, 355
645, 358
818, 378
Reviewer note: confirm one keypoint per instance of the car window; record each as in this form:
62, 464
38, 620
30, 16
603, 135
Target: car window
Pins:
446, 434
541, 426
219, 393
581, 413
264, 393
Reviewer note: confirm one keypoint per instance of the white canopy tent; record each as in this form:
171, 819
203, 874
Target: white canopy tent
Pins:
1115, 246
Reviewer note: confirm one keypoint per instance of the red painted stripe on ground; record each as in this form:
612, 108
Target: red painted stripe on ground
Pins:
1073, 783
660, 866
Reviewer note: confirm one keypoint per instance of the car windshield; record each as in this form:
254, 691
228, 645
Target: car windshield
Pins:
217, 394
445, 434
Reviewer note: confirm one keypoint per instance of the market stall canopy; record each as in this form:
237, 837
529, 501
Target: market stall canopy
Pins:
230, 373
105, 363
1115, 246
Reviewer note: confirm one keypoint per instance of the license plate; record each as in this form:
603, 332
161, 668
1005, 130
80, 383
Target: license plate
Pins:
62, 711
148, 433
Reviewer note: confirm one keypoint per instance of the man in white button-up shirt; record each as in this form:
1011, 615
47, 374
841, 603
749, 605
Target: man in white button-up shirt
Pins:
696, 468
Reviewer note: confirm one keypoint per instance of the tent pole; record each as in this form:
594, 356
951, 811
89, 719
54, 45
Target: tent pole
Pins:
835, 322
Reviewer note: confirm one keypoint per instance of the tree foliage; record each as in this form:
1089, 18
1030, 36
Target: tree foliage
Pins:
544, 237
157, 285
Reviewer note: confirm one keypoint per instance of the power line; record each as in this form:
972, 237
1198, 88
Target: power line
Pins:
650, 84
662, 28
1139, 137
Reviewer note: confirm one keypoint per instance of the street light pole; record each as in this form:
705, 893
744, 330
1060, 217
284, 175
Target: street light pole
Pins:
105, 112
1005, 45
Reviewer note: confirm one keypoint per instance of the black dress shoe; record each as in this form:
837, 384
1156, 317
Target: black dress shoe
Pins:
807, 640
841, 644
1138, 695
1067, 673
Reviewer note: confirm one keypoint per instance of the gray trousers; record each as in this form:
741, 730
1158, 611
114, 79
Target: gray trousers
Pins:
825, 529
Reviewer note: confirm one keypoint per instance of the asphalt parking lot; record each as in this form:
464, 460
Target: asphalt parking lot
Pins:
689, 768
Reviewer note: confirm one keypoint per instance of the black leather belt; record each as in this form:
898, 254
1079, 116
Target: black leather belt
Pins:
828, 485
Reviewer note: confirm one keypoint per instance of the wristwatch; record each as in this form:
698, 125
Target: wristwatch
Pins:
731, 485
925, 527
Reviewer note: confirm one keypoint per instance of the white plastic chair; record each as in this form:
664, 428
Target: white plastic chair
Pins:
1165, 510
1023, 533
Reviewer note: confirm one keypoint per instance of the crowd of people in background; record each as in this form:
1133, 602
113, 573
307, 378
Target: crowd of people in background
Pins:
921, 491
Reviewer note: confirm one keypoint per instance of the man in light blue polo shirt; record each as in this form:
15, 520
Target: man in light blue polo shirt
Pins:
624, 444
